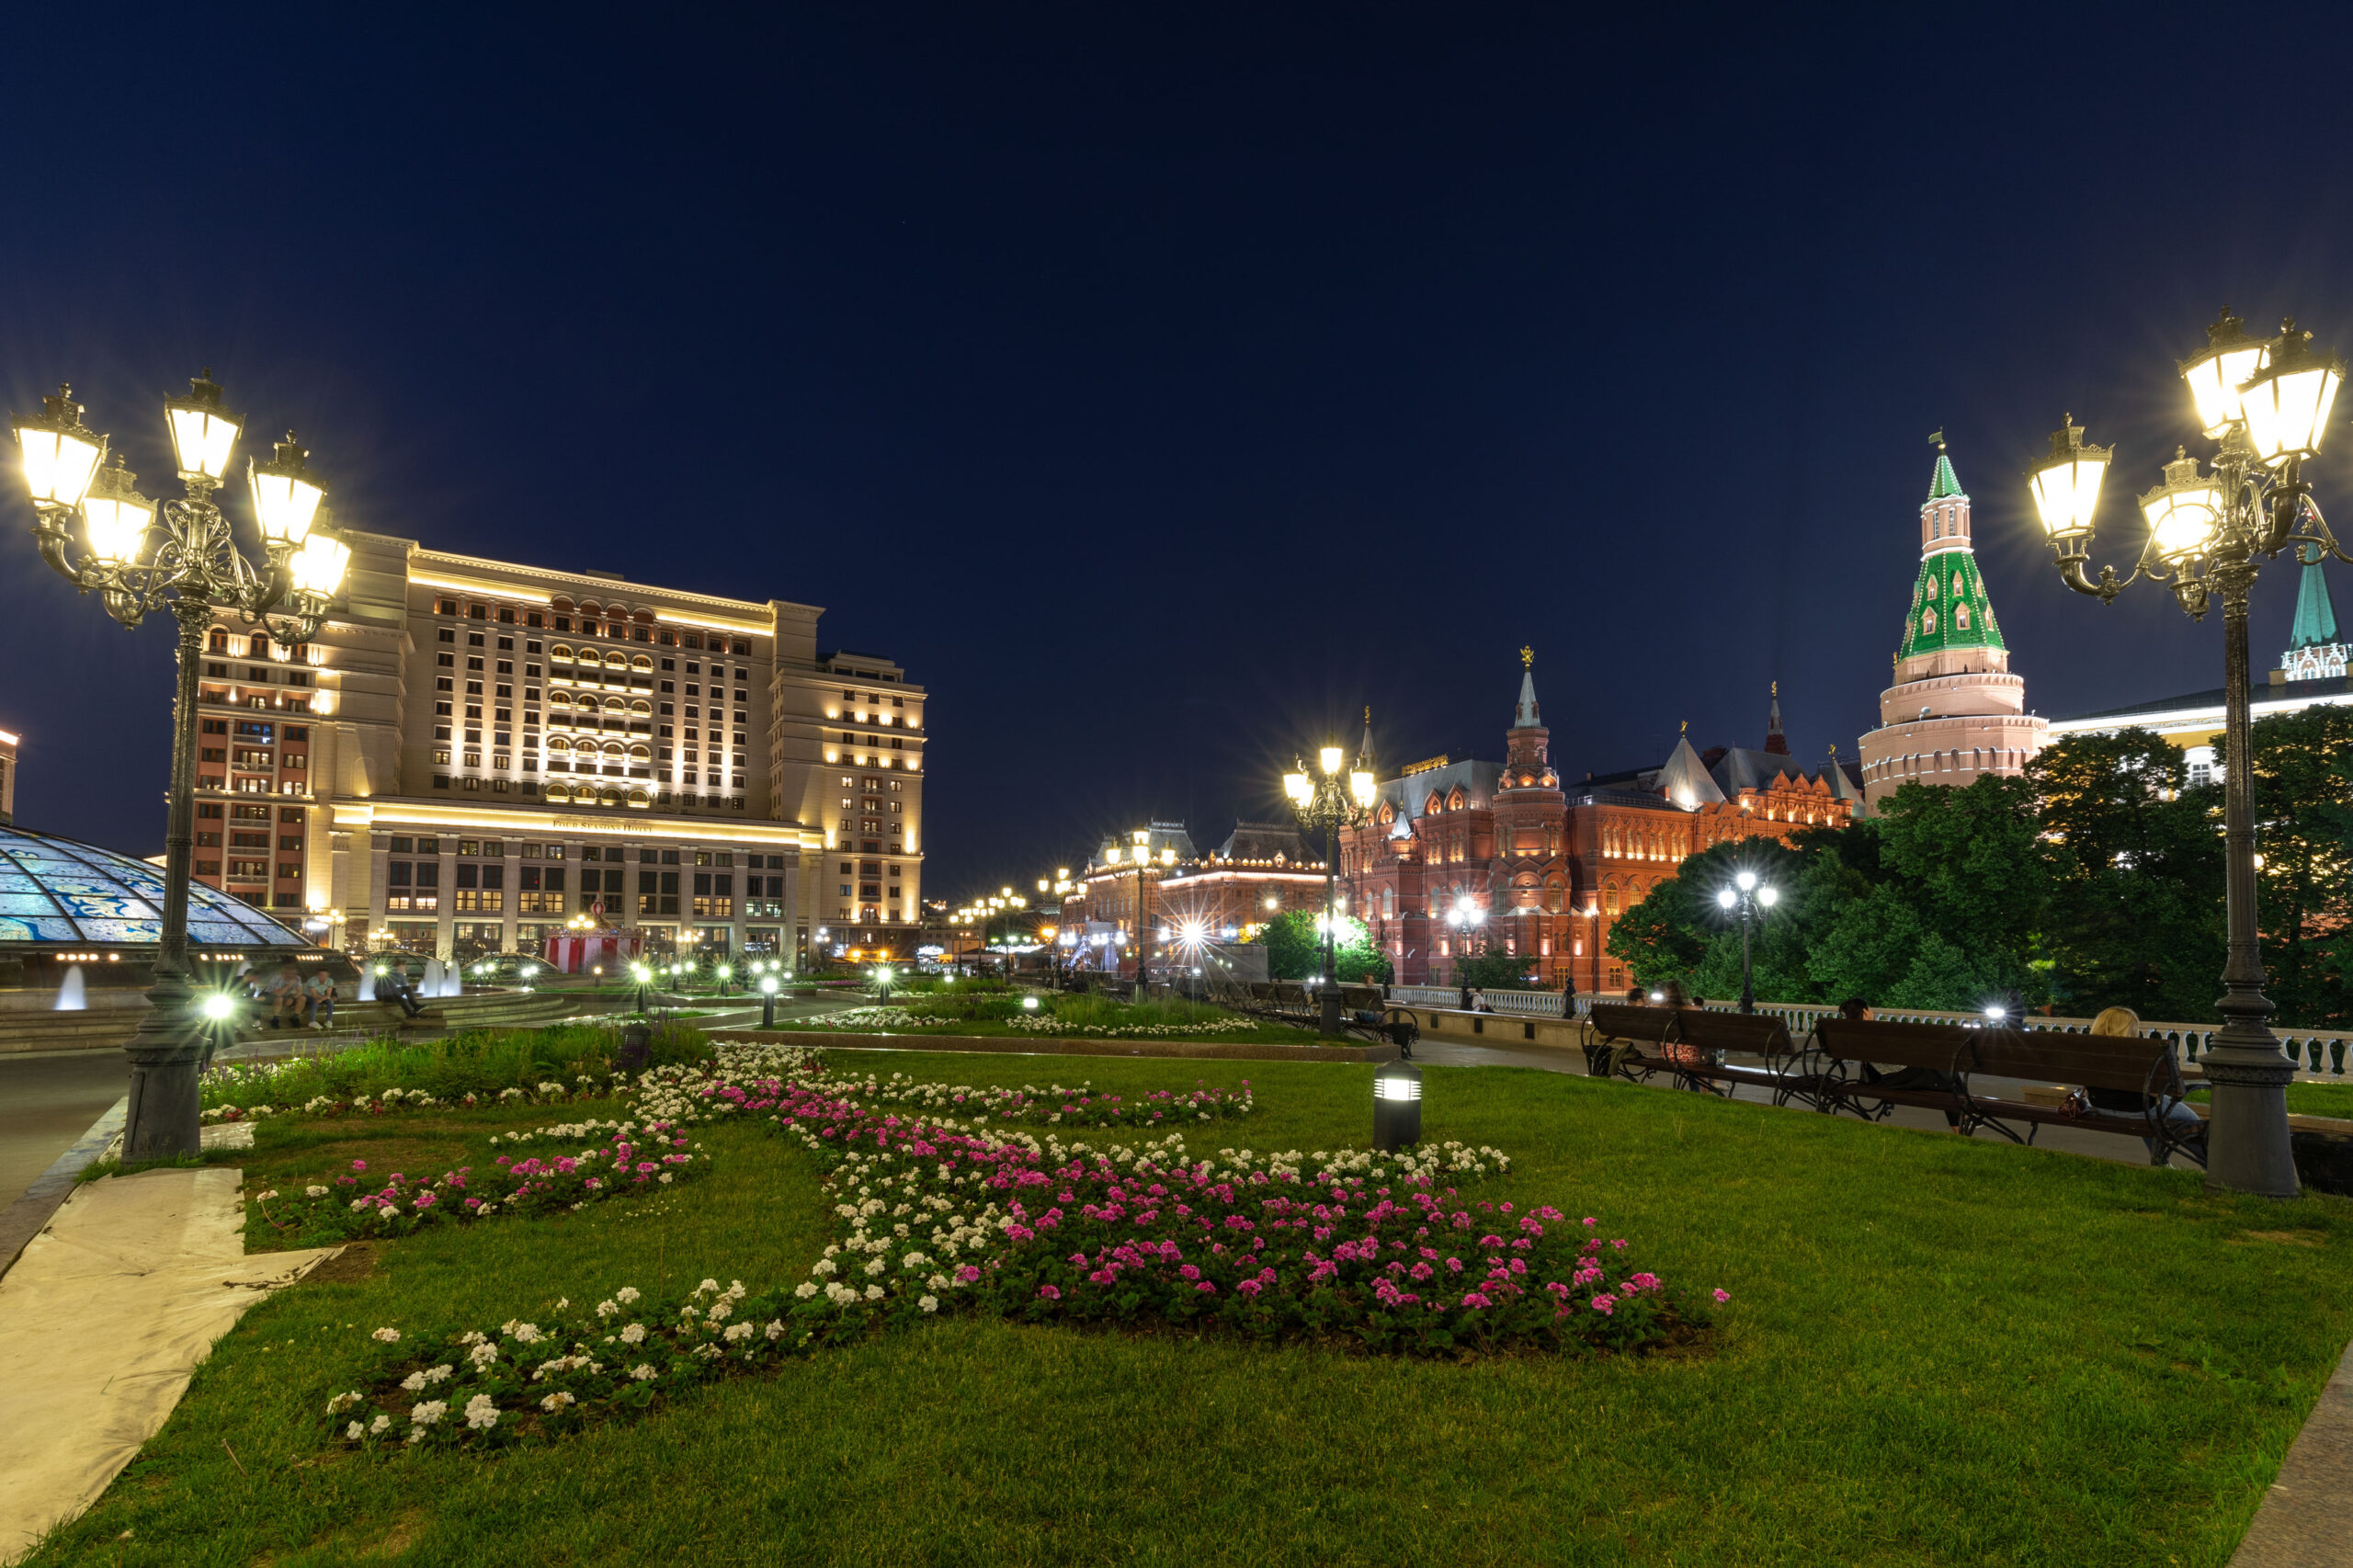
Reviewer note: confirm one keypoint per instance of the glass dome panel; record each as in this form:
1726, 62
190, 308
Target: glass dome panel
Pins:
56, 890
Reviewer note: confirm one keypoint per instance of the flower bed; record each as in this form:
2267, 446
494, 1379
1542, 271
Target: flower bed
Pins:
1046, 1024
545, 1093
1351, 1248
631, 1157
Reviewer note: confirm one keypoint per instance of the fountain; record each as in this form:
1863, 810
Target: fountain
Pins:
71, 996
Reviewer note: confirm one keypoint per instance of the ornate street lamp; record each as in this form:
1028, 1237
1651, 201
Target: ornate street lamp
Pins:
2266, 403
1330, 799
1466, 916
1748, 899
187, 562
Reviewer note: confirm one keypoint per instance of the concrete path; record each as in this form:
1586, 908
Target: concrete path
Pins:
2306, 1519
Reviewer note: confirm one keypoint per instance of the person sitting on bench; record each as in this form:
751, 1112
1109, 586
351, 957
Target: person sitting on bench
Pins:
1859, 1010
392, 986
2123, 1023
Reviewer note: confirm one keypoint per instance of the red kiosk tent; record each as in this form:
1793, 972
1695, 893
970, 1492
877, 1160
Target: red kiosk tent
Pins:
576, 952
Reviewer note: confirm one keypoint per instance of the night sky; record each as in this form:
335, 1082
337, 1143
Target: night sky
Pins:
1162, 387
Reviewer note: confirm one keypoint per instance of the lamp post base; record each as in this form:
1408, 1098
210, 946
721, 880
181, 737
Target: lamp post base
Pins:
2248, 1141
166, 1055
1331, 1000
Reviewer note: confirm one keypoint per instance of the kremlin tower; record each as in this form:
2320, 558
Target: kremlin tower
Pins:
1955, 710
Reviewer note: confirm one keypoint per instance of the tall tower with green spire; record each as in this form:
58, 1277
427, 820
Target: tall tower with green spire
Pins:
1955, 710
2313, 652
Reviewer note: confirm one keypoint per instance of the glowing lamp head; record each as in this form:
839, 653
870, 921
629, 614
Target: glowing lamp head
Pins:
203, 430
769, 985
115, 516
2286, 404
286, 496
318, 567
1747, 881
1726, 897
1328, 759
1043, 885
2230, 358
1296, 785
2066, 487
725, 970
1360, 786
1658, 995
1028, 1004
883, 974
1769, 897
1167, 857
219, 1005
1396, 1086
2184, 511
60, 456
1996, 1013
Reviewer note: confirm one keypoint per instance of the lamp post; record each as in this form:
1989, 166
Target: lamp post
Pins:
1466, 916
1330, 799
1593, 940
186, 560
768, 1001
2265, 403
1748, 898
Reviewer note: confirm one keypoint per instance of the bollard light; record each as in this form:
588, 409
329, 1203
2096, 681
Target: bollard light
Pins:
219, 1005
1396, 1107
767, 1003
1028, 1004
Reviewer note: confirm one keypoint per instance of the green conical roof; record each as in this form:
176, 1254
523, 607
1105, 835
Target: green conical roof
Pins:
2316, 617
1944, 484
1949, 609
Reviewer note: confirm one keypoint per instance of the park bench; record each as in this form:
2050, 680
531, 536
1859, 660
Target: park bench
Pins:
1848, 1050
2145, 1067
1688, 1044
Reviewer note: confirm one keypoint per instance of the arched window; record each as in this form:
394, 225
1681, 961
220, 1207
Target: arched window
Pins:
1609, 897
641, 708
259, 644
1556, 894
1433, 805
1927, 623
1961, 615
1454, 801
561, 653
641, 662
1388, 904
641, 753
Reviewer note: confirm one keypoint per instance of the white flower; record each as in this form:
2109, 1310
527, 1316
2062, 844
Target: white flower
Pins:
556, 1401
663, 1178
874, 1292
914, 1260
625, 1295
634, 1334
822, 1266
776, 1330
482, 1413
355, 1432
876, 1266
738, 1330
414, 1382
522, 1333
804, 1289
432, 1410
641, 1373
483, 1354
388, 1336
606, 1309
719, 1311
343, 1401
380, 1423
928, 1303
314, 1192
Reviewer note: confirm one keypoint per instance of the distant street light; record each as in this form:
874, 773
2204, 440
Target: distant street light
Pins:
1747, 898
1331, 799
188, 562
2266, 402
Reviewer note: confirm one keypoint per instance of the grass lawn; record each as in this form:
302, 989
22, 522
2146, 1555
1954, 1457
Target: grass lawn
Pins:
1938, 1351
2307, 1099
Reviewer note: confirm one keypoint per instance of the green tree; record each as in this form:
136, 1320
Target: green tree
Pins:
1493, 969
1954, 915
1679, 932
2303, 810
1295, 949
2135, 858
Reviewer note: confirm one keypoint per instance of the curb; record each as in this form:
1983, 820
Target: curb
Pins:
23, 1219
1187, 1049
2306, 1515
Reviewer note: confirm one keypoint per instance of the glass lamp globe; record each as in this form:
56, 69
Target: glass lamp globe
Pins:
115, 516
203, 430
60, 456
2184, 511
286, 497
2214, 376
2286, 404
1726, 897
2066, 487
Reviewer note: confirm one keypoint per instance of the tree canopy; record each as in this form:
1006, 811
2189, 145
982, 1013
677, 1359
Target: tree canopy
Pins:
1295, 949
2095, 879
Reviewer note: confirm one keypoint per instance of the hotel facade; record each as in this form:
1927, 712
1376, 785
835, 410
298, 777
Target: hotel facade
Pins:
471, 753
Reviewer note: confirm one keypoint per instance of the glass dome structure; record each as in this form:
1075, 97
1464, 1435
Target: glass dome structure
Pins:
56, 890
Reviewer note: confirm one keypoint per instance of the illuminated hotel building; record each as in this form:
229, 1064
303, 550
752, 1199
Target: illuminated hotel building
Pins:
472, 752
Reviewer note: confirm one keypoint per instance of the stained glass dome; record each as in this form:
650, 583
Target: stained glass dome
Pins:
55, 890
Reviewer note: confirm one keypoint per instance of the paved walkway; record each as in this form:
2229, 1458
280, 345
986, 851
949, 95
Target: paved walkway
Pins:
46, 1100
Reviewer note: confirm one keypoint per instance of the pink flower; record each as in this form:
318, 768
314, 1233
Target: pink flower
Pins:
1591, 1221
1049, 1293
1605, 1304
1476, 1299
359, 1164
1188, 1272
1723, 1295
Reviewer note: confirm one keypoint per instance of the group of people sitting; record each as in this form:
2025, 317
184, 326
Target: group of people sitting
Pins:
293, 1001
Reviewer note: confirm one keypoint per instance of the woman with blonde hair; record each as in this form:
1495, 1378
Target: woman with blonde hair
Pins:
2123, 1023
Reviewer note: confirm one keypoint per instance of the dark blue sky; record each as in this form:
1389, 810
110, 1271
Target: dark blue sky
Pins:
1162, 387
